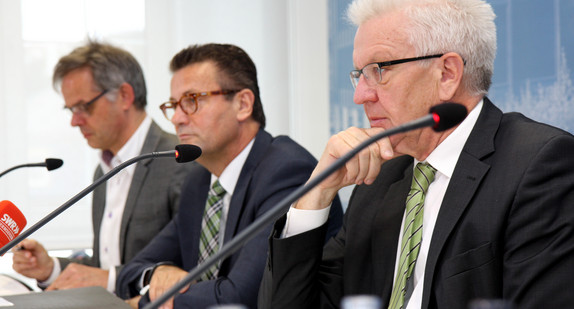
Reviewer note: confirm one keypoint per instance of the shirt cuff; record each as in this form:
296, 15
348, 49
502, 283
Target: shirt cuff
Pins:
302, 220
112, 279
56, 270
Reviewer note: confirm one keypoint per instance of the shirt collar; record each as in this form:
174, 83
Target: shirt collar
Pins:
230, 174
131, 148
446, 154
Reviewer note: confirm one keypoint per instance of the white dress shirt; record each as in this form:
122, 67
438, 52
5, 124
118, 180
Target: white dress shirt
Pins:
228, 180
443, 159
117, 189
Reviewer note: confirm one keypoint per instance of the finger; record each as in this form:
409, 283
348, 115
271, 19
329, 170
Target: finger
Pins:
51, 287
24, 265
133, 302
23, 257
168, 304
368, 161
386, 149
345, 142
55, 285
358, 167
374, 166
28, 244
184, 289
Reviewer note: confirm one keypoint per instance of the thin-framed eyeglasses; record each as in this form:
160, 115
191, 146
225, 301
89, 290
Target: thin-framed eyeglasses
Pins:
373, 71
188, 102
85, 108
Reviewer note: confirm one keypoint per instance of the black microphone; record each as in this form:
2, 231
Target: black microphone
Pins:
442, 117
50, 164
182, 154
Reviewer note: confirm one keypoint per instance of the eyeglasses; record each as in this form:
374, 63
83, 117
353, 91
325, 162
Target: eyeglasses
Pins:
85, 108
373, 71
188, 102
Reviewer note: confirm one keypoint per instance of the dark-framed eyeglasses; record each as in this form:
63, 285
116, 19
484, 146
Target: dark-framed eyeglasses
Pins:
373, 71
188, 102
85, 108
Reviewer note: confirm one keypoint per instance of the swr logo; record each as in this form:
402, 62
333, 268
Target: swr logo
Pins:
8, 221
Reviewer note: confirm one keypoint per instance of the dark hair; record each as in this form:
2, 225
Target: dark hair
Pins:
237, 70
111, 66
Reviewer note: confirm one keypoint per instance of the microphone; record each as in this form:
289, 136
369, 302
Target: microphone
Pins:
182, 154
12, 221
50, 164
441, 117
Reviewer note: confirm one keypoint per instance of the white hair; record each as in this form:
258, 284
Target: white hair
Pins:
465, 27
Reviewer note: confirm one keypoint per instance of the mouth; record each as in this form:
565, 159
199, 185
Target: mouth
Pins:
86, 135
379, 122
184, 136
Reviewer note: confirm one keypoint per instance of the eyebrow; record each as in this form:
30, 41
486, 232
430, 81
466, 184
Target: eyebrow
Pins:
77, 103
183, 94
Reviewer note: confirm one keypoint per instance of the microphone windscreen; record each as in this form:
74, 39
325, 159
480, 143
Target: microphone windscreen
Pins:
52, 164
12, 222
448, 114
186, 153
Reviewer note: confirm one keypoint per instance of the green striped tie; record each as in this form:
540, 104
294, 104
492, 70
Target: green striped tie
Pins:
209, 239
412, 232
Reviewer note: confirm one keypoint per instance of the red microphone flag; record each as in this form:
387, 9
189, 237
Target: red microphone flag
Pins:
12, 222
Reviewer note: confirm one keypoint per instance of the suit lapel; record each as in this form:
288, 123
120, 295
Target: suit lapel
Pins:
237, 204
98, 208
140, 173
467, 176
386, 232
194, 203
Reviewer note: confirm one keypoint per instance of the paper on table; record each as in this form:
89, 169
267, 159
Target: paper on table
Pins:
5, 303
11, 286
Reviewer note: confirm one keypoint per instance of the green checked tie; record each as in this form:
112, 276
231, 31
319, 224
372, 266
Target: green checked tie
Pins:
209, 239
412, 233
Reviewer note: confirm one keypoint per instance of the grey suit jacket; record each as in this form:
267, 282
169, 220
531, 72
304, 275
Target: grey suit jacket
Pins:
152, 201
505, 229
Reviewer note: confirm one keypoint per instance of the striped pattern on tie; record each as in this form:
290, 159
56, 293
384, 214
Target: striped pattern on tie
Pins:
209, 238
423, 175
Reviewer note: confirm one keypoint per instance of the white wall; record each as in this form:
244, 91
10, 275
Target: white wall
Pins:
288, 43
286, 39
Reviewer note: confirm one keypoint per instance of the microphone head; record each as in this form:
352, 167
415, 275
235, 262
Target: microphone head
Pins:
447, 115
52, 164
186, 153
12, 222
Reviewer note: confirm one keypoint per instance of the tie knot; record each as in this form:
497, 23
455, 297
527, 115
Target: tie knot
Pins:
217, 189
423, 175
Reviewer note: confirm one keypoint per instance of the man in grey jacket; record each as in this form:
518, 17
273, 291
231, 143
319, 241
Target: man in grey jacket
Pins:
104, 89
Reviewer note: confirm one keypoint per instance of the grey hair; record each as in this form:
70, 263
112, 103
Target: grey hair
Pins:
111, 66
465, 27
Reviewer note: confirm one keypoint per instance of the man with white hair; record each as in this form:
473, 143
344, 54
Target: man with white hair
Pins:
484, 210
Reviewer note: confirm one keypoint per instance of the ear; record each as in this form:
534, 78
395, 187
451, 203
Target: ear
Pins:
126, 95
246, 99
452, 67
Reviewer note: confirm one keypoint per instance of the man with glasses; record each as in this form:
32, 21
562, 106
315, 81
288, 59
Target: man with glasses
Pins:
484, 210
242, 173
104, 89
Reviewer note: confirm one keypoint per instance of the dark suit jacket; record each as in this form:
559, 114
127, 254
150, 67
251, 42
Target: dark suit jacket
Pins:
152, 201
273, 169
505, 229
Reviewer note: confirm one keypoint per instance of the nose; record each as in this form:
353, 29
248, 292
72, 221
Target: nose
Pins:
77, 120
179, 117
364, 93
